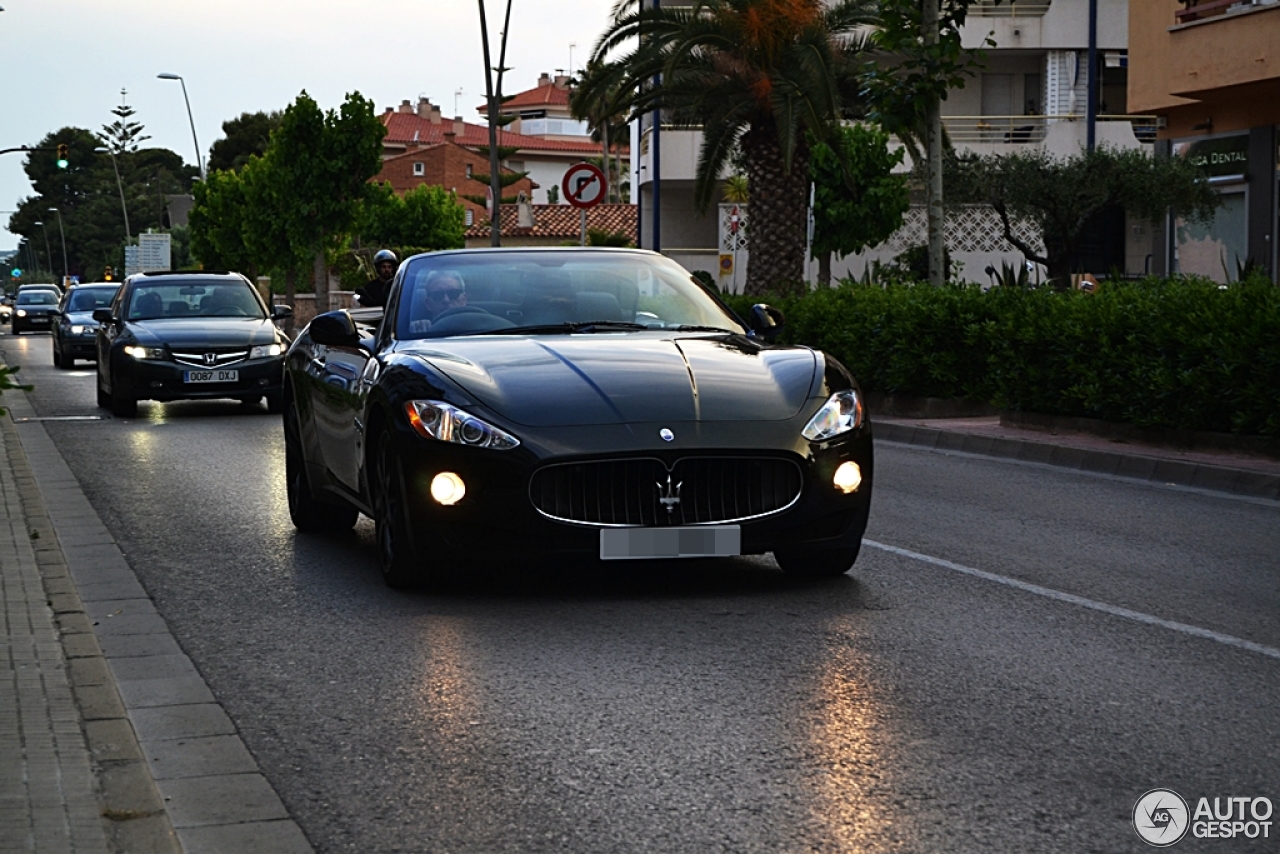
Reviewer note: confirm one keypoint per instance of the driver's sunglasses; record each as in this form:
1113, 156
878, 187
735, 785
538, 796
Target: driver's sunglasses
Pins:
450, 294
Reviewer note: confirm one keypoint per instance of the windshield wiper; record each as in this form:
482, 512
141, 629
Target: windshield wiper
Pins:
691, 327
567, 328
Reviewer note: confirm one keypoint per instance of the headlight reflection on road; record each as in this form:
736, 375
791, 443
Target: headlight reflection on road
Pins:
850, 740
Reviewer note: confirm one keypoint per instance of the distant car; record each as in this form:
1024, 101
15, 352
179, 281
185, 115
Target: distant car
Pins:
571, 401
34, 309
6, 308
188, 336
75, 332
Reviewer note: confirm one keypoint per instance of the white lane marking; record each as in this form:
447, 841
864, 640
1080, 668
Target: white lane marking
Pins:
1115, 611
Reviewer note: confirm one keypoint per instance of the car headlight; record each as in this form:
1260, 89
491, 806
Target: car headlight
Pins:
841, 413
265, 351
445, 423
144, 352
22, 312
79, 330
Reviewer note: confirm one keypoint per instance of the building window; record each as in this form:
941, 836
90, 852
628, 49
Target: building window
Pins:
468, 170
471, 215
419, 168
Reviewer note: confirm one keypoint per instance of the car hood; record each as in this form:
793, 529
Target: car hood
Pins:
560, 381
204, 332
82, 318
37, 309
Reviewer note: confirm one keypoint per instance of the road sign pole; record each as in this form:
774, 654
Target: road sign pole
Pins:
582, 227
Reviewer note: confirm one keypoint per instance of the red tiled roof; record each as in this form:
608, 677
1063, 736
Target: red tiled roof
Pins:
411, 129
563, 221
544, 95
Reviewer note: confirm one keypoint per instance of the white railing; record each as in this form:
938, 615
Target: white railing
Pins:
1029, 130
1030, 9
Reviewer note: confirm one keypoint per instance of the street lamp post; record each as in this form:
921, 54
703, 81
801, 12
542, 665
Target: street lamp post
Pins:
199, 156
62, 232
123, 207
47, 254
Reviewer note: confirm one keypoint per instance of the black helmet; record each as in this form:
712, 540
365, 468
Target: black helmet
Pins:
385, 255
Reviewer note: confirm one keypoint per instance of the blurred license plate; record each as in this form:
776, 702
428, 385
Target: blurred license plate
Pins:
211, 376
702, 541
38, 320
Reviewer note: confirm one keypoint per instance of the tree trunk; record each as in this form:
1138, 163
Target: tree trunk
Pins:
776, 237
824, 269
933, 163
320, 271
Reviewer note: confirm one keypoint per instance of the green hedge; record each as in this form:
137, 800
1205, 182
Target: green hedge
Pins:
1176, 352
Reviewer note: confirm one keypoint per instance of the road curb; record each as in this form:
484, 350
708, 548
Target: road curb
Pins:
1136, 466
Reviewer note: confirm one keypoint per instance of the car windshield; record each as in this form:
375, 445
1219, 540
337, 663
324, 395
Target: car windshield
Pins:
177, 298
88, 299
547, 292
37, 298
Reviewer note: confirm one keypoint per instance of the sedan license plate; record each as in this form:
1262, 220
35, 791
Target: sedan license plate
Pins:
211, 376
38, 321
640, 543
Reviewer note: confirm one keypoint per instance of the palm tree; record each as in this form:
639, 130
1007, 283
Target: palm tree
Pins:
759, 75
603, 107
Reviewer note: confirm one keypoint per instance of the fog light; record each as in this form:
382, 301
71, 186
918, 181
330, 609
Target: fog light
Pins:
848, 477
447, 488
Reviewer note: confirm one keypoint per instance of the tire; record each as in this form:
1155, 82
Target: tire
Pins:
816, 563
64, 362
308, 515
398, 558
275, 402
104, 399
122, 405
251, 399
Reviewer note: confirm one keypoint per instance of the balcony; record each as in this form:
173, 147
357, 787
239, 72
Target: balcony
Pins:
1014, 9
1029, 130
1199, 10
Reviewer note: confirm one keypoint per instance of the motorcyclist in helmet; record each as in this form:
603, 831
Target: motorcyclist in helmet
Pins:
377, 290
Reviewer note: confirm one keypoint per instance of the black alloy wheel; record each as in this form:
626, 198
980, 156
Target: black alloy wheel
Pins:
397, 557
816, 563
308, 515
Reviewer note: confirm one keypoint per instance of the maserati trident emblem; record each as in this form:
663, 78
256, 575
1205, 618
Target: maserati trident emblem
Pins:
669, 496
210, 359
667, 435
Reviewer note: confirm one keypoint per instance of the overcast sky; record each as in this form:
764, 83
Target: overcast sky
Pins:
65, 62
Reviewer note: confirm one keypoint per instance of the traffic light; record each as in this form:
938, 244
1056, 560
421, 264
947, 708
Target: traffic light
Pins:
106, 274
16, 273
62, 155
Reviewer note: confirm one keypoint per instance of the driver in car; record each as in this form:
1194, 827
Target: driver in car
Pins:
444, 290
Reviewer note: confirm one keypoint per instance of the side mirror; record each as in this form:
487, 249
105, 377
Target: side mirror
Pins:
767, 322
280, 312
102, 315
334, 329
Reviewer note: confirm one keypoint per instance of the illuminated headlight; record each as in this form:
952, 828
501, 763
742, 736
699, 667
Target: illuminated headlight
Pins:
445, 423
265, 351
447, 488
840, 414
144, 352
79, 330
22, 312
848, 477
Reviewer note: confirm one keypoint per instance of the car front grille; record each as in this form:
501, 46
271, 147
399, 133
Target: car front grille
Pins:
210, 358
644, 491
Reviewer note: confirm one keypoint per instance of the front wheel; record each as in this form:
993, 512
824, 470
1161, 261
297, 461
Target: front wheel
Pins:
398, 557
307, 514
816, 563
63, 361
123, 405
275, 402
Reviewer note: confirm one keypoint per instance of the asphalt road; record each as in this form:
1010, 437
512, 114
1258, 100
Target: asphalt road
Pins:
912, 706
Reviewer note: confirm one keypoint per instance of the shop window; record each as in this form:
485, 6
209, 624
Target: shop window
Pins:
1216, 249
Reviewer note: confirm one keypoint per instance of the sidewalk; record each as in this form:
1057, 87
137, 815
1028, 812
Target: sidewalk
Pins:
110, 740
127, 750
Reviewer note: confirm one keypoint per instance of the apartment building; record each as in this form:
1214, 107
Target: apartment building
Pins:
1210, 71
1033, 92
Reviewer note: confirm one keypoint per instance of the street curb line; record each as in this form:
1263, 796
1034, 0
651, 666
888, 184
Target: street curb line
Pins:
132, 811
1133, 466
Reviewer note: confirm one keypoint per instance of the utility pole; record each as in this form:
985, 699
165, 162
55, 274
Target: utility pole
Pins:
493, 97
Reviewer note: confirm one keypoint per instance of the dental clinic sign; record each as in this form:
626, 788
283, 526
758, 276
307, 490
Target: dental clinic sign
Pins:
1220, 157
1162, 818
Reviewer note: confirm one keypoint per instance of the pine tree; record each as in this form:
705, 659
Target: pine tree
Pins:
123, 135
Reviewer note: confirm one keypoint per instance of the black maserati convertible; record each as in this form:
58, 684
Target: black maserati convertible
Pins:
565, 401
